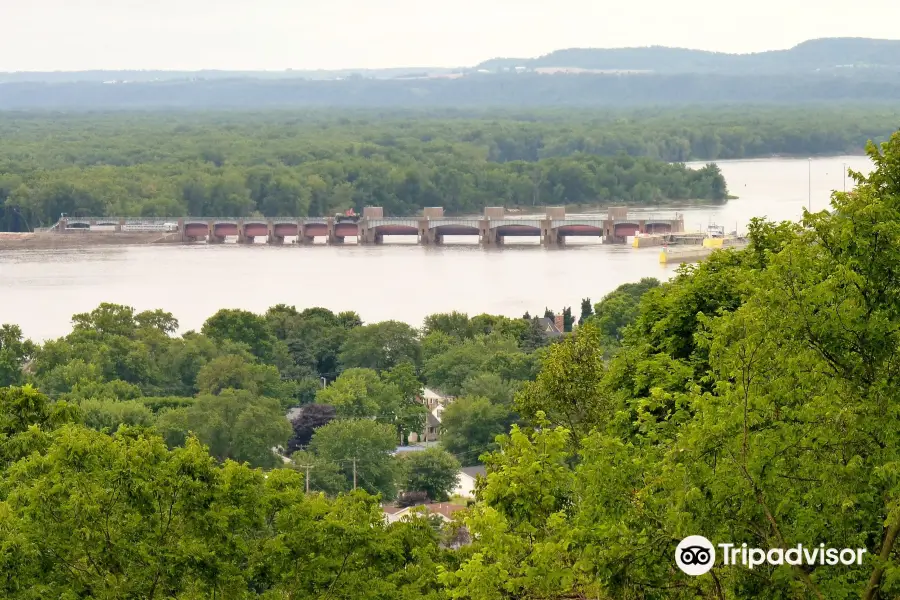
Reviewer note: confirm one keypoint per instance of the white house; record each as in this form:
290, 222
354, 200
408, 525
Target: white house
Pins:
465, 487
432, 399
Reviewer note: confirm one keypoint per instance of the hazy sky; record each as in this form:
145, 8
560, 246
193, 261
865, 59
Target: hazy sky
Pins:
309, 34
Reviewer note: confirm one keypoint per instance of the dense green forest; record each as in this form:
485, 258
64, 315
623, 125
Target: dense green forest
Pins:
315, 163
474, 90
831, 70
751, 399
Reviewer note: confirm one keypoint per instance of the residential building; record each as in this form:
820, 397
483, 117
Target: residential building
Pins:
435, 403
432, 399
552, 328
465, 487
432, 427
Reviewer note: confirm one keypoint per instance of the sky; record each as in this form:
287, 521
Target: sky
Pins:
66, 35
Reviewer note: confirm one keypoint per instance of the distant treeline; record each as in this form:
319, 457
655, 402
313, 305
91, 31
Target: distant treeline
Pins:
315, 163
473, 90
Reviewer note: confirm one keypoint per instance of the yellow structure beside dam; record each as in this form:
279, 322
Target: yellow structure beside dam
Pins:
667, 239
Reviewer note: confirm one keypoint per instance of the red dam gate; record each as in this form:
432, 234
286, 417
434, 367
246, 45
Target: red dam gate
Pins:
224, 229
518, 230
346, 229
196, 230
579, 230
256, 230
396, 230
625, 229
315, 230
285, 229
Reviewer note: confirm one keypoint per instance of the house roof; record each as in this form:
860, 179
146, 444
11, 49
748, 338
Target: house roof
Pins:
404, 449
440, 508
444, 509
549, 327
474, 471
432, 420
415, 448
430, 394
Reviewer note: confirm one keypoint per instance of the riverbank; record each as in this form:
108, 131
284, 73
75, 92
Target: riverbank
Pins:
45, 241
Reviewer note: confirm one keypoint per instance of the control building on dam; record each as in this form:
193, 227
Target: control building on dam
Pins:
432, 228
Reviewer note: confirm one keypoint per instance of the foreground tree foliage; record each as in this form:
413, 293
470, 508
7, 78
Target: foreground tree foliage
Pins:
618, 310
115, 517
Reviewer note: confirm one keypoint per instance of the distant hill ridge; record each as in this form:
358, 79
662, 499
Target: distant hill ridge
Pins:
820, 54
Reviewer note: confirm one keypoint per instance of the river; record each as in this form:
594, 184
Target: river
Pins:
41, 289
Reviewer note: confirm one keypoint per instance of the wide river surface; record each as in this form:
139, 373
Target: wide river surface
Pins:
41, 289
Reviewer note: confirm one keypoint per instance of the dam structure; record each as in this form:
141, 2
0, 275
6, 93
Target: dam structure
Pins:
492, 228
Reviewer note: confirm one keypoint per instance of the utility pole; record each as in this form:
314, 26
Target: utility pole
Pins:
354, 474
845, 178
308, 467
537, 178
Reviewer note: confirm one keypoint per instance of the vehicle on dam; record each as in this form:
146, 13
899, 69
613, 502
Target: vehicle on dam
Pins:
348, 216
